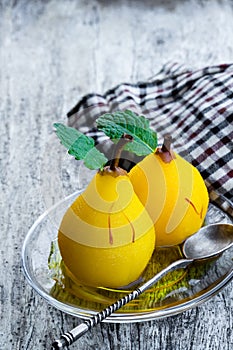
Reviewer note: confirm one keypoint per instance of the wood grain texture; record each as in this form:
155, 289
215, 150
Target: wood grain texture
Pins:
51, 53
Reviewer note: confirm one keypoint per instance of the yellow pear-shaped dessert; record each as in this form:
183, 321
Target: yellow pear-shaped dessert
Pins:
106, 237
173, 192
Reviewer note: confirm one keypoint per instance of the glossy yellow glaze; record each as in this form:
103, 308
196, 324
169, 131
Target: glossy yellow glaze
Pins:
106, 237
174, 195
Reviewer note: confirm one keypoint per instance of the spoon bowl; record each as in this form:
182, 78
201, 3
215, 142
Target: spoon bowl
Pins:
208, 242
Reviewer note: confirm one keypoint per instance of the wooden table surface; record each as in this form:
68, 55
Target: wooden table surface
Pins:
51, 53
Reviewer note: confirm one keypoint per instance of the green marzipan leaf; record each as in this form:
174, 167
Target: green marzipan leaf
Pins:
80, 146
68, 135
94, 159
114, 125
138, 148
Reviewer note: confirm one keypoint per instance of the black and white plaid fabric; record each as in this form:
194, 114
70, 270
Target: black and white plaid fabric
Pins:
194, 106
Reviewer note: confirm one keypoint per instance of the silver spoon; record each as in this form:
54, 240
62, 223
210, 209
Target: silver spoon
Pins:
208, 242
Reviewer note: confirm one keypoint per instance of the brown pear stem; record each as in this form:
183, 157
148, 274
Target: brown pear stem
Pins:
166, 147
165, 152
118, 149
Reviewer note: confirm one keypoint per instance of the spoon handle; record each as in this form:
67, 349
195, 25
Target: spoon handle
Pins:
70, 337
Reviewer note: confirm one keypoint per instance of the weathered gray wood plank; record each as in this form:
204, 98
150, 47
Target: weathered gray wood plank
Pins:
51, 53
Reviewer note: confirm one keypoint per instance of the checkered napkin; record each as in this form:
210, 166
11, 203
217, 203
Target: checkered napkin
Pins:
194, 106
